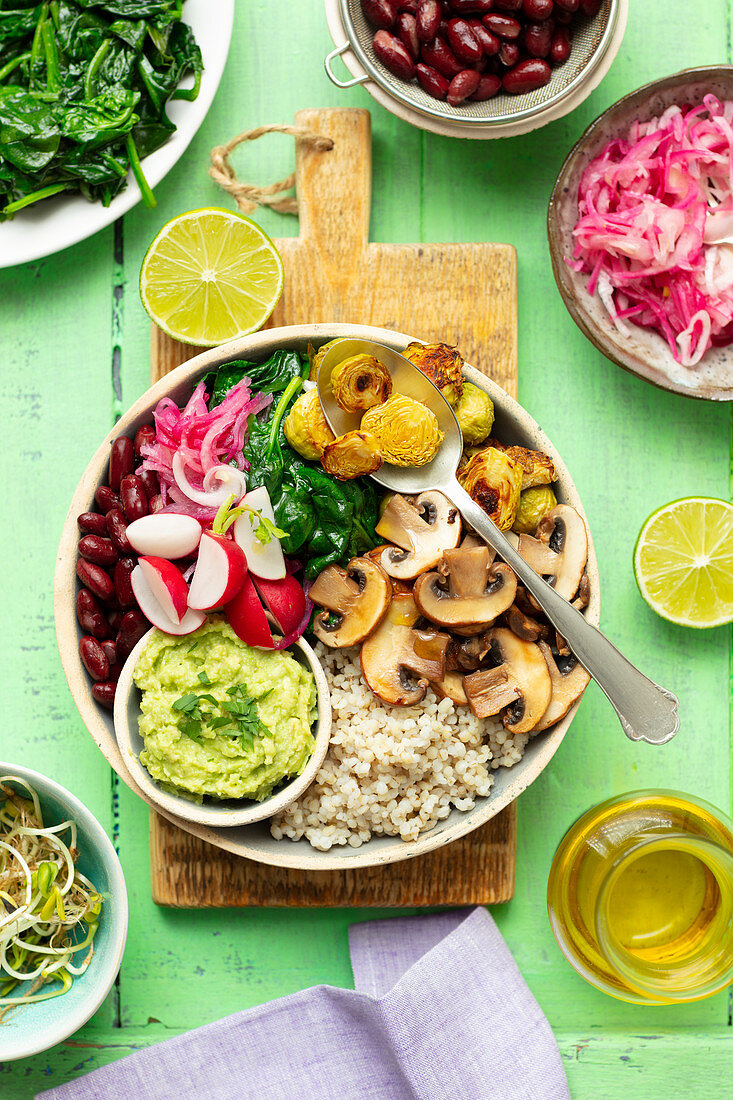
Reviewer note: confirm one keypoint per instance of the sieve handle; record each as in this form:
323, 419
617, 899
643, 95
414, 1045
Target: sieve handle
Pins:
338, 52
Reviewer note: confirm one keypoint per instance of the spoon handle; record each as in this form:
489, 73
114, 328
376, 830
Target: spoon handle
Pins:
647, 711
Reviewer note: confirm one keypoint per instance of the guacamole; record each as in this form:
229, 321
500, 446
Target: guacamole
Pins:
222, 719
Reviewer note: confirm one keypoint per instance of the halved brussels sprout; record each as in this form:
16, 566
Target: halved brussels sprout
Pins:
495, 482
305, 427
352, 455
407, 432
534, 504
360, 382
474, 413
316, 356
442, 364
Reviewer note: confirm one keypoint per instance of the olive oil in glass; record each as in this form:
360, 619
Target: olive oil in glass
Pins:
640, 897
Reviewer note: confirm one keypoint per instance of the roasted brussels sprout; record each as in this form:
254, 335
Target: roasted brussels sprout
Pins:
360, 382
305, 427
533, 505
442, 364
316, 356
352, 455
407, 432
474, 413
495, 482
537, 467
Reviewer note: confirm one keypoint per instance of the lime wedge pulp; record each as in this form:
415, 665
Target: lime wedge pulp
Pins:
211, 276
683, 561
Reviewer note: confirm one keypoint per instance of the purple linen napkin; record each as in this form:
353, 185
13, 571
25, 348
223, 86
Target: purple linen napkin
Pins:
440, 1010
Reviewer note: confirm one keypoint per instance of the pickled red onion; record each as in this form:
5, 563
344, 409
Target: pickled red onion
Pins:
656, 212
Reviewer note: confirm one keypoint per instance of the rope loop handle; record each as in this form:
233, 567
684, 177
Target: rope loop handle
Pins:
247, 195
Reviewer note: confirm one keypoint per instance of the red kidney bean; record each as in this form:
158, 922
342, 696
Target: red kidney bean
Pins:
560, 46
463, 41
537, 10
509, 54
105, 694
114, 618
488, 42
110, 651
150, 482
97, 549
156, 503
503, 25
90, 615
92, 522
590, 7
567, 5
488, 86
393, 55
123, 587
407, 5
462, 86
526, 76
132, 493
382, 13
106, 498
438, 55
133, 626
117, 530
508, 5
428, 19
144, 437
407, 34
471, 7
564, 17
537, 38
94, 658
121, 460
93, 577
431, 81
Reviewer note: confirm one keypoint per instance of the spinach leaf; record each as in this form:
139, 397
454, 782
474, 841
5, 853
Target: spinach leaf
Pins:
272, 376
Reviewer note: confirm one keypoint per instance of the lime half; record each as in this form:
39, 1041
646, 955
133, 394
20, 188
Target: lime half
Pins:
683, 562
211, 276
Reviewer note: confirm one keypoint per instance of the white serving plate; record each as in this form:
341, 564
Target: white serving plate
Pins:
60, 222
513, 424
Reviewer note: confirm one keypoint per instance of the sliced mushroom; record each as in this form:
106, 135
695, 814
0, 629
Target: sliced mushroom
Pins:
569, 681
466, 593
466, 656
396, 649
356, 600
580, 601
560, 550
376, 555
451, 687
421, 528
519, 666
471, 541
525, 626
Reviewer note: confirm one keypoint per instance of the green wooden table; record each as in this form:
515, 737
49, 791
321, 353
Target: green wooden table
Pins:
74, 352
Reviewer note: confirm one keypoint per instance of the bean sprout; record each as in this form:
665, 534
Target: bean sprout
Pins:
49, 911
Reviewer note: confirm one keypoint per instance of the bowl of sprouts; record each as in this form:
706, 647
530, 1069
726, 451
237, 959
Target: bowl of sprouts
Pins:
63, 913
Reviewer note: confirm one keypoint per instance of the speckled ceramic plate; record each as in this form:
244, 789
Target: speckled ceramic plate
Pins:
645, 354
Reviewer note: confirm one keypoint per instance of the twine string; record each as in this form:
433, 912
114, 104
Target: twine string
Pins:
249, 196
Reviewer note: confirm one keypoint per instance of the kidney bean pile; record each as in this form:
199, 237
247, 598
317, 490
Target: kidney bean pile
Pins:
469, 50
106, 608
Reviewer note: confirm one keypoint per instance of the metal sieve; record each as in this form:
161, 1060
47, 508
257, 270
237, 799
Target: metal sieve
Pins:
591, 39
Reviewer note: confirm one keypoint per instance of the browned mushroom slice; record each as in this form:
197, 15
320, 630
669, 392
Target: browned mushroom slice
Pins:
580, 601
375, 555
490, 690
396, 654
524, 626
451, 687
569, 681
421, 528
466, 656
560, 550
526, 672
466, 592
356, 600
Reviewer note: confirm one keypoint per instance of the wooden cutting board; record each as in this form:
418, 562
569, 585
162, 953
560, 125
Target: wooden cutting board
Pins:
463, 294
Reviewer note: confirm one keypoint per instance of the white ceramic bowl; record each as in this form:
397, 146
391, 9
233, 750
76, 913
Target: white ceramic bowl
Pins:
33, 1028
513, 424
225, 814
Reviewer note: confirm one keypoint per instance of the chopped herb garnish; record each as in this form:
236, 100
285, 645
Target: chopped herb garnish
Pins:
204, 678
238, 716
265, 530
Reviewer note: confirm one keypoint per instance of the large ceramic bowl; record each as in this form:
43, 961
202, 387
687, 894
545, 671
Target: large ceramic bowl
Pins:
36, 1027
513, 424
644, 353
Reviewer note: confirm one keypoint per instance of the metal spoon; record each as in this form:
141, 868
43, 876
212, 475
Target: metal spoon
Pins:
647, 711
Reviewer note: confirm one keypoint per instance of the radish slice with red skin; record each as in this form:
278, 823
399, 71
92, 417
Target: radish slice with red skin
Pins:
263, 559
152, 610
246, 616
285, 600
165, 535
219, 573
167, 586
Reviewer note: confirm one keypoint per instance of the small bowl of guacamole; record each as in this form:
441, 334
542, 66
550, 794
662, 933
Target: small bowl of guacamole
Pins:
219, 732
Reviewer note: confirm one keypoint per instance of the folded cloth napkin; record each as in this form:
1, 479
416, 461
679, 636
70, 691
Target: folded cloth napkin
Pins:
440, 1010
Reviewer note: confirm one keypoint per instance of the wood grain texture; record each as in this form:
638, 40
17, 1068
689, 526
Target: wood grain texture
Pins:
333, 273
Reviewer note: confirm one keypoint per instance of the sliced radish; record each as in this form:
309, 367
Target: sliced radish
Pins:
167, 585
219, 573
153, 611
263, 559
167, 536
285, 600
247, 618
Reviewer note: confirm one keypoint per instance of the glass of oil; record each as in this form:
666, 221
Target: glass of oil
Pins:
640, 897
